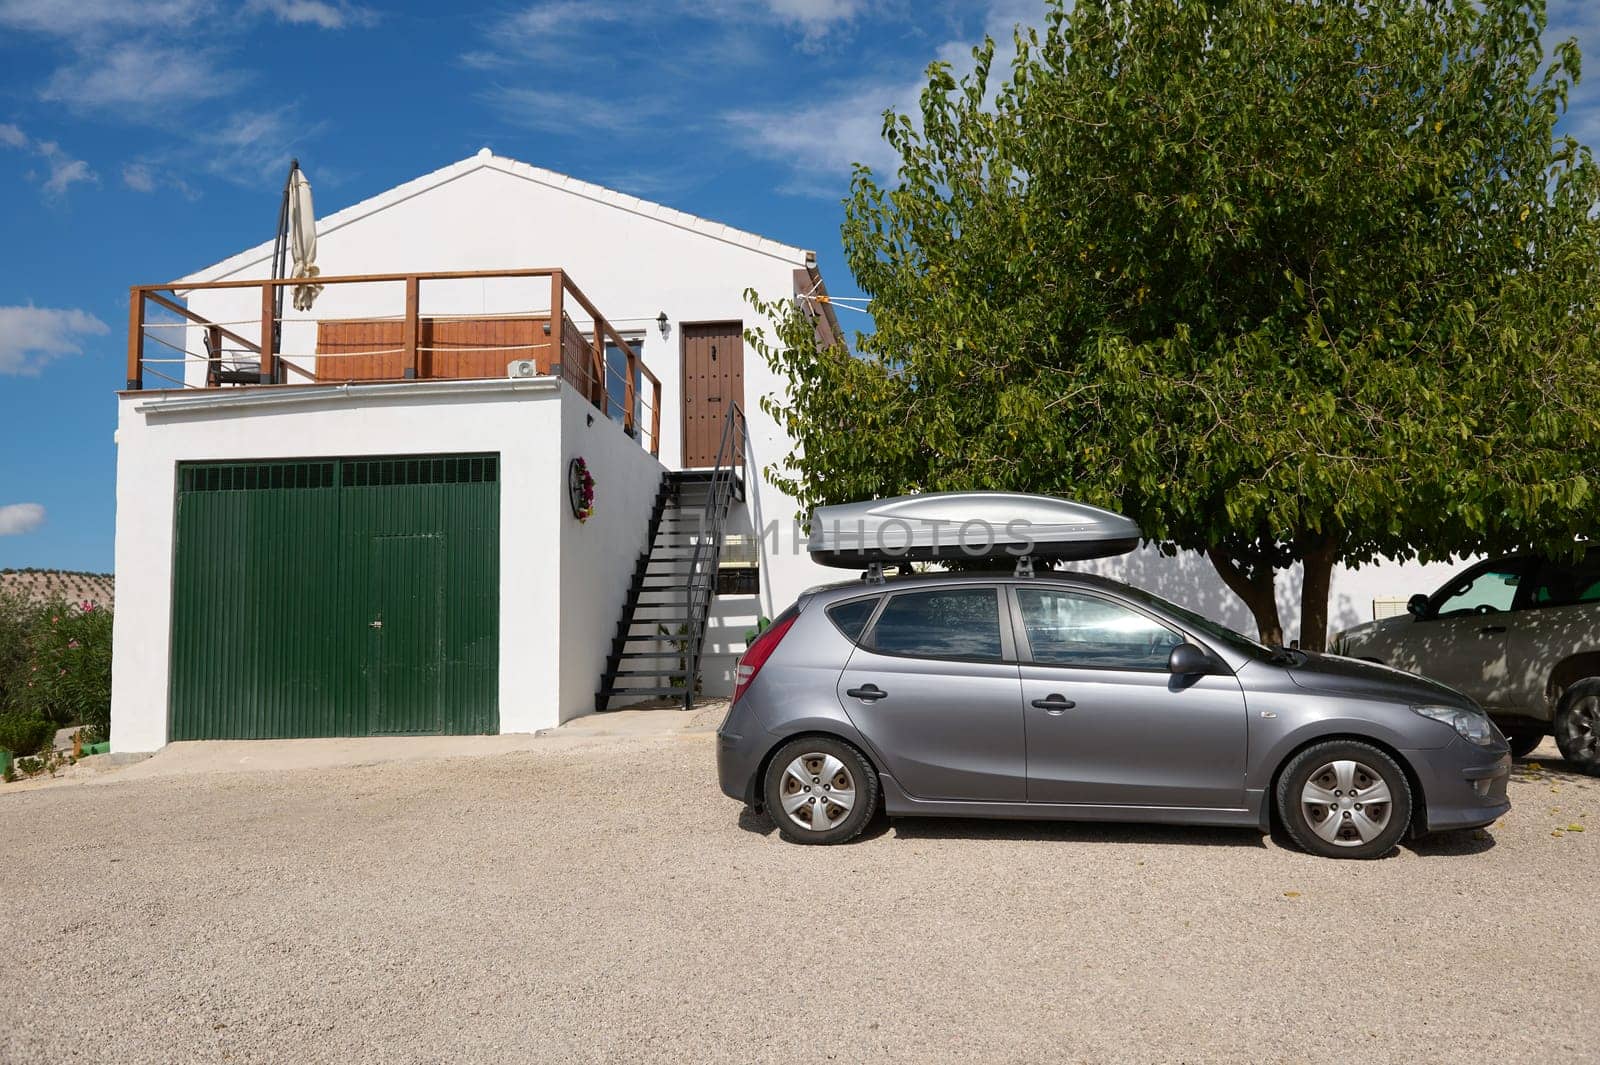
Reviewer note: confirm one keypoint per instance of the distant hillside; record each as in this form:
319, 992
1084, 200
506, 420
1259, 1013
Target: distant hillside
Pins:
76, 587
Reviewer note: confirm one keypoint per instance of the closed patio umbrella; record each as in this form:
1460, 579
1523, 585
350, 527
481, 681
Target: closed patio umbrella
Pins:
303, 239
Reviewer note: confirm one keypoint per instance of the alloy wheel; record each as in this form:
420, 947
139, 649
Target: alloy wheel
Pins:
1580, 729
1347, 803
817, 791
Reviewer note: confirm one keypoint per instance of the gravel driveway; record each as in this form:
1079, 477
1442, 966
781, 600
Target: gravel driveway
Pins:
601, 901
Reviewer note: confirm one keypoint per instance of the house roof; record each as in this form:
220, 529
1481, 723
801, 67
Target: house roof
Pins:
485, 159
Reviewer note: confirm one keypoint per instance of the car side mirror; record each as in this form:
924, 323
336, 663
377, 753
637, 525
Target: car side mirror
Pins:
1188, 660
1417, 606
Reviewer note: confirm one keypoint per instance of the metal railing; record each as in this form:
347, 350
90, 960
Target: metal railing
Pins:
708, 547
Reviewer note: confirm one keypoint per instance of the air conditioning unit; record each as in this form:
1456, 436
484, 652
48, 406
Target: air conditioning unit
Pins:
522, 368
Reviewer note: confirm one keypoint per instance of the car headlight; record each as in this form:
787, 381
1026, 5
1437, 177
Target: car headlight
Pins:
1473, 725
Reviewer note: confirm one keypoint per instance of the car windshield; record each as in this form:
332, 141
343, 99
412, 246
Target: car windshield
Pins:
1205, 626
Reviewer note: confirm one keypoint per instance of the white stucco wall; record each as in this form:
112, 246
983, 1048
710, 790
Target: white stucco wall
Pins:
597, 556
559, 580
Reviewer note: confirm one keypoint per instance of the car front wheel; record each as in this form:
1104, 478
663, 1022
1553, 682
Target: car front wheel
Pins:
1344, 799
1578, 726
1523, 742
820, 790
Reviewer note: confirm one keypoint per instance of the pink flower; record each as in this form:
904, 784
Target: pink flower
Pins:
73, 644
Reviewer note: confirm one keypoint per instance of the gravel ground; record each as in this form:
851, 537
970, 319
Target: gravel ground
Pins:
601, 901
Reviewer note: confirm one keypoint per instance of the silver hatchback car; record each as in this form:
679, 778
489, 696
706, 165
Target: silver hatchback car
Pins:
1068, 696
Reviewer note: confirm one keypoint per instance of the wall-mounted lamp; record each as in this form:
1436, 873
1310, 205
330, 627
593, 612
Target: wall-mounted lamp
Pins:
662, 324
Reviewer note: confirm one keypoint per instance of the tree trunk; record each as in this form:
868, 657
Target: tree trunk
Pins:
1318, 558
1255, 585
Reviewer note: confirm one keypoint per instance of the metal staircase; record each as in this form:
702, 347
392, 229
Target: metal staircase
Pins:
659, 640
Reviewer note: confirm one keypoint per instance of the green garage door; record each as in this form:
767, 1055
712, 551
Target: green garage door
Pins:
336, 597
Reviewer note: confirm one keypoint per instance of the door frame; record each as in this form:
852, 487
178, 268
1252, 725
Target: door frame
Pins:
683, 381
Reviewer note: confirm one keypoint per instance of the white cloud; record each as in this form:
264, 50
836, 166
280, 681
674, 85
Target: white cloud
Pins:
87, 20
813, 19
139, 177
64, 170
820, 140
253, 146
32, 336
571, 112
138, 73
19, 518
326, 14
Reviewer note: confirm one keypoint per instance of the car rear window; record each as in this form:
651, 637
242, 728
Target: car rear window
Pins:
959, 623
851, 617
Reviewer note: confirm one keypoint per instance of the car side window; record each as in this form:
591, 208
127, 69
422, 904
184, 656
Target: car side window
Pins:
962, 623
852, 616
1069, 629
1488, 591
1566, 584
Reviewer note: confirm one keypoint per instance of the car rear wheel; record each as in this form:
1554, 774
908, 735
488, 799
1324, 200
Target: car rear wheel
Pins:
820, 790
1578, 726
1344, 799
1523, 742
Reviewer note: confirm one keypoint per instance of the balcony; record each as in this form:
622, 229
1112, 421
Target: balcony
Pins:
389, 327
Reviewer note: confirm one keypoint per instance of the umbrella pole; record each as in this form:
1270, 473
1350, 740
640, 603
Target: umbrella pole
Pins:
280, 254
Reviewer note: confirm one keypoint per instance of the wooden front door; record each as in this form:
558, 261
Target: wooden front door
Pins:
713, 377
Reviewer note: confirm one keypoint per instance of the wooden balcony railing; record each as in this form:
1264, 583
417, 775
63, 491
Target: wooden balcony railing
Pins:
251, 344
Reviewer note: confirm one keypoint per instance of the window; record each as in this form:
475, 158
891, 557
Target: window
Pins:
1487, 591
1067, 629
944, 623
1566, 584
851, 617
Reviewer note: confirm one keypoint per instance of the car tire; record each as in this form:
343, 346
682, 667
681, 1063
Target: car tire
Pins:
807, 779
1577, 726
1338, 773
1523, 742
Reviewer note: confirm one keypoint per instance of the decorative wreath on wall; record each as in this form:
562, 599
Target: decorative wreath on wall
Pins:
580, 489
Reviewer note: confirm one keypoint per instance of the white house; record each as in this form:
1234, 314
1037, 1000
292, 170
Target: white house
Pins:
362, 517
382, 540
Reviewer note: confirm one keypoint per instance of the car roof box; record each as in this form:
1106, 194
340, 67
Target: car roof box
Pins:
942, 526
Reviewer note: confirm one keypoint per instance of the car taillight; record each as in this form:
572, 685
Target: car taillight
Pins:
756, 655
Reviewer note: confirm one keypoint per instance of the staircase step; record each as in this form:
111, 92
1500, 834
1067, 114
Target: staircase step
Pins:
647, 673
623, 693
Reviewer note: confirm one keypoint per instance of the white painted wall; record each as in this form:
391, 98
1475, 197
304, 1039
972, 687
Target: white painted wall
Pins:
555, 574
597, 556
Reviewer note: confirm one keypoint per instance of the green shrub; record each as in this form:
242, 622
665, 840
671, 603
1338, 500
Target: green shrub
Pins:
67, 678
25, 734
18, 617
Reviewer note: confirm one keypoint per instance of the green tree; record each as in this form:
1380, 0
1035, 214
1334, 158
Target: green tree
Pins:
1286, 282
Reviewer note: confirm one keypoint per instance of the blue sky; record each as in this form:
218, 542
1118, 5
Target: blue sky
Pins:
143, 139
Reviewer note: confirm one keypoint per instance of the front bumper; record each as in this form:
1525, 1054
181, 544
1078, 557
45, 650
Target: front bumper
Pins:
1463, 785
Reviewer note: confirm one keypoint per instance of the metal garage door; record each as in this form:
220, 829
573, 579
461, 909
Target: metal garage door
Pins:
336, 597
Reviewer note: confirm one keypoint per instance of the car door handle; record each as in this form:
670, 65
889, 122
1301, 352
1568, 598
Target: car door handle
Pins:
867, 693
1491, 629
1055, 704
